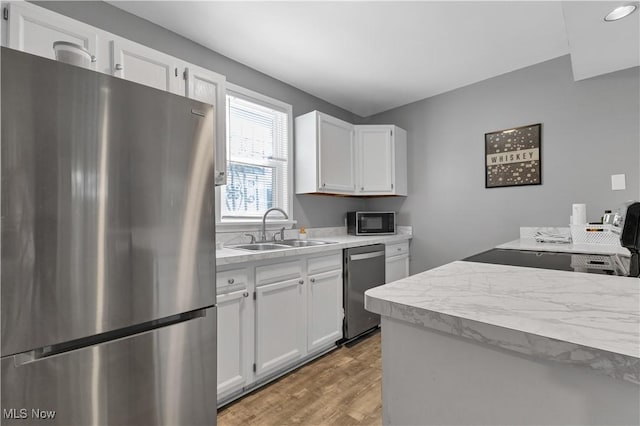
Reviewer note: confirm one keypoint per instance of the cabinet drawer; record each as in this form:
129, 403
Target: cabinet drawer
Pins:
324, 263
276, 272
396, 249
232, 280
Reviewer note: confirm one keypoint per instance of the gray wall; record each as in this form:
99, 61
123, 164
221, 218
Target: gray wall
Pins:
590, 130
308, 210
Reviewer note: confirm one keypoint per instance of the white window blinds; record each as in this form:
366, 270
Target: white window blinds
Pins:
258, 159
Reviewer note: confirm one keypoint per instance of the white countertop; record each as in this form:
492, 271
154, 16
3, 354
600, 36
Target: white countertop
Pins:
571, 317
532, 244
227, 256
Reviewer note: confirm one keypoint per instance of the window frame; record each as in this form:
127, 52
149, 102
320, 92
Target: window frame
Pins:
242, 224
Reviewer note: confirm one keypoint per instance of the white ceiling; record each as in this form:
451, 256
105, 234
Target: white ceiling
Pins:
598, 47
368, 57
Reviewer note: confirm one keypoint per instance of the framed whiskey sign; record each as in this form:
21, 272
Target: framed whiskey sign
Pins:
513, 157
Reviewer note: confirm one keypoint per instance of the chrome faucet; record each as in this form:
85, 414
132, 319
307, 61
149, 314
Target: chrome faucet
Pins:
264, 220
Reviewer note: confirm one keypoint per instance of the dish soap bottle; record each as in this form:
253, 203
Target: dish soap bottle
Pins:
302, 235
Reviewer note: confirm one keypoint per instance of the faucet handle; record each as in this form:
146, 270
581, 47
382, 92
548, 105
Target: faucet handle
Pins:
253, 238
281, 232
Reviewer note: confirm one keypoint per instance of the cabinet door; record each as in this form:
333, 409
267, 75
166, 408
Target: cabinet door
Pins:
376, 161
207, 86
234, 363
33, 29
336, 155
280, 325
324, 325
138, 63
397, 267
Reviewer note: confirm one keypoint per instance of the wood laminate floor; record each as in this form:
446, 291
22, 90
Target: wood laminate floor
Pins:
341, 388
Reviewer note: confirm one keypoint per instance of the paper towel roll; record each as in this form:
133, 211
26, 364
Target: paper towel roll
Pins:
579, 216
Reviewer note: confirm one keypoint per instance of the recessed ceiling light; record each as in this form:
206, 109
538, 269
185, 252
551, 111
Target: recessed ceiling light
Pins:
620, 12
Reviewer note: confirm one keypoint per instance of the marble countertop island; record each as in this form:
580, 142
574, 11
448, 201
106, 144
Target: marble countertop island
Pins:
568, 317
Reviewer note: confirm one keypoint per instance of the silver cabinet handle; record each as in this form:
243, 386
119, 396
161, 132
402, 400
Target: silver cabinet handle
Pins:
324, 184
118, 67
230, 280
245, 294
313, 280
301, 282
93, 58
362, 188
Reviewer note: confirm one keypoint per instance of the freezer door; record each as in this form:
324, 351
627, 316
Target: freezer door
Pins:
107, 203
162, 377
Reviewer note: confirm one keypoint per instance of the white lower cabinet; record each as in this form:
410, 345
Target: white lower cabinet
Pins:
274, 316
279, 314
280, 310
397, 262
397, 268
233, 334
324, 302
235, 330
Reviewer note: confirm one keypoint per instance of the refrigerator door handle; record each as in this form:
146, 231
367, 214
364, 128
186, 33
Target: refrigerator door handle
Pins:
165, 376
48, 351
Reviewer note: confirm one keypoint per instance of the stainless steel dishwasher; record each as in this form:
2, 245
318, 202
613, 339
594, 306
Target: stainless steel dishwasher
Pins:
364, 268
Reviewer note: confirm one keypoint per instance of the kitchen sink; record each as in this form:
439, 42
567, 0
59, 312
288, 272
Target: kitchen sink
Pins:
280, 245
261, 247
304, 243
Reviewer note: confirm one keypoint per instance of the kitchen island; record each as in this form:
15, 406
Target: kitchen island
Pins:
474, 343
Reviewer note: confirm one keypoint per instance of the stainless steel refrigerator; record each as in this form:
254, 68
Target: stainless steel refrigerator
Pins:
108, 254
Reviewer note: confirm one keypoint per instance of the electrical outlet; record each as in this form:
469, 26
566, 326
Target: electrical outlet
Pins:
618, 182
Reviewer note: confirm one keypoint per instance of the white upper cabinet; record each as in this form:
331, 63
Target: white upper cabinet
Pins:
33, 29
336, 152
375, 164
207, 86
335, 157
325, 154
381, 160
143, 65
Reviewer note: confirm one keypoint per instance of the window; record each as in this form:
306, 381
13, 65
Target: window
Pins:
258, 147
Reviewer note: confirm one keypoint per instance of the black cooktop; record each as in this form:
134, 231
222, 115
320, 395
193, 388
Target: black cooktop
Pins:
575, 262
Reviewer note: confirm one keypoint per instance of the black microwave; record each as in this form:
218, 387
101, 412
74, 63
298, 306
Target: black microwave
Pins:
371, 223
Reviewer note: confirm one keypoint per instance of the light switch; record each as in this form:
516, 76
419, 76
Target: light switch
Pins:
618, 183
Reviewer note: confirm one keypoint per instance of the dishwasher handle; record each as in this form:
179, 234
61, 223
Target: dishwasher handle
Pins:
363, 256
